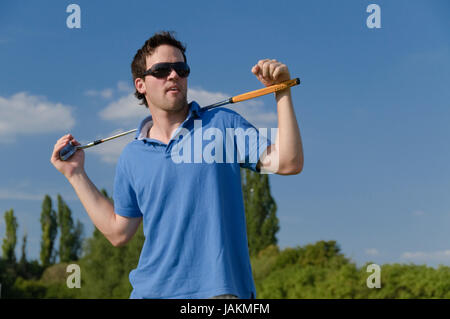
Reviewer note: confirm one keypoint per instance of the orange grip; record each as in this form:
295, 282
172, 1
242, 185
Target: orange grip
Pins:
264, 91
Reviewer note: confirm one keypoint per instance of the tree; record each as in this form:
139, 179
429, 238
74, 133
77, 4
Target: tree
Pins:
106, 268
70, 243
260, 211
9, 242
23, 263
49, 228
23, 258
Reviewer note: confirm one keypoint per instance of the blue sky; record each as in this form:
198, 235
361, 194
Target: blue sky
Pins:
373, 108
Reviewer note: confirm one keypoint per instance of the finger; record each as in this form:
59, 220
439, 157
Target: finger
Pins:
55, 154
255, 69
266, 70
65, 139
66, 136
261, 64
280, 69
61, 144
75, 142
272, 68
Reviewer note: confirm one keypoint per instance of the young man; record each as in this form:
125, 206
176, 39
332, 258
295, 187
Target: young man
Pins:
193, 213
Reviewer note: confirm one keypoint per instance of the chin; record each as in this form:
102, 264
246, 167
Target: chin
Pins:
176, 106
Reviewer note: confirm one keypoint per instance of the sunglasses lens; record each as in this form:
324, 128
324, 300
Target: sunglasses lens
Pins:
182, 69
162, 70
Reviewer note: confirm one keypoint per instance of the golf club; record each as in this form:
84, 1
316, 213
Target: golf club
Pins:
70, 149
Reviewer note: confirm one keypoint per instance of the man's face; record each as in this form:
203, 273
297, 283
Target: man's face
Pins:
158, 91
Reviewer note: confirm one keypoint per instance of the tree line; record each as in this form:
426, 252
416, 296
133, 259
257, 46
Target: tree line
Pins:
70, 240
317, 270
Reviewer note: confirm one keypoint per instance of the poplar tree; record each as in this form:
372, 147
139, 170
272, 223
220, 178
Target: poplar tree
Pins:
106, 268
260, 211
70, 236
23, 258
9, 242
49, 228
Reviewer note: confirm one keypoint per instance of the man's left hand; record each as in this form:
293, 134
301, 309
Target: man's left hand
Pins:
271, 72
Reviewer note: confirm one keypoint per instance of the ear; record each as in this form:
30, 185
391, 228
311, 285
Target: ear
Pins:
140, 85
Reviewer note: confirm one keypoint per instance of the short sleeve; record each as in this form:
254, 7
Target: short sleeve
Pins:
250, 143
124, 195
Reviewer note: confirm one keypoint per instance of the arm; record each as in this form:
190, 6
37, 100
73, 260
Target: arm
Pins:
117, 229
285, 157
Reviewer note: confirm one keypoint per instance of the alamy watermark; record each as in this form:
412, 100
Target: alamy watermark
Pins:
234, 145
374, 280
374, 19
73, 21
74, 279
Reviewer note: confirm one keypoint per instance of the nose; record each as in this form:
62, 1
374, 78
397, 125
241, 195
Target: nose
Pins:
173, 74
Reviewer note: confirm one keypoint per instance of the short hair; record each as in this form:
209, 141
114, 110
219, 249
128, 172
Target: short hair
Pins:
138, 66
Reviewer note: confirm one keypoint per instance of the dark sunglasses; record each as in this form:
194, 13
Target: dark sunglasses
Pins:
162, 70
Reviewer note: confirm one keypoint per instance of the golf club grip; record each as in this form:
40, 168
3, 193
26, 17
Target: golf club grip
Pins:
264, 91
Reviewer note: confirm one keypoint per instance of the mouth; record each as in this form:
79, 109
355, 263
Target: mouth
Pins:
173, 89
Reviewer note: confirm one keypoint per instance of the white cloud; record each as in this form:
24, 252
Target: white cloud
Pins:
204, 97
109, 152
253, 111
418, 213
24, 114
125, 110
257, 115
18, 193
442, 256
106, 93
372, 252
128, 110
124, 87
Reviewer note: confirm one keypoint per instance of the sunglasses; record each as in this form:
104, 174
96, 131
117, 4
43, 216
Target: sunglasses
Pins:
162, 70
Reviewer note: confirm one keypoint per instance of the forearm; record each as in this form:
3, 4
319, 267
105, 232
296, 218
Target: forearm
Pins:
288, 143
285, 157
98, 207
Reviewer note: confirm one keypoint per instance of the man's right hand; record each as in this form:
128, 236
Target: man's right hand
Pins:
117, 229
75, 164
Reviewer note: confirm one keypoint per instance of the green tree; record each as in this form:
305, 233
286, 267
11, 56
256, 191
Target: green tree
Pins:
260, 211
70, 243
9, 242
23, 258
314, 271
49, 228
106, 268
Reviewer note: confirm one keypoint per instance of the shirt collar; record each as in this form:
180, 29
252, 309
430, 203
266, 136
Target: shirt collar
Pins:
146, 123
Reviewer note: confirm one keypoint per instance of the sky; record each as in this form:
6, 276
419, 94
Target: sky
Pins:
373, 109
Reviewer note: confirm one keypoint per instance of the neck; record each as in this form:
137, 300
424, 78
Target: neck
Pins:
166, 122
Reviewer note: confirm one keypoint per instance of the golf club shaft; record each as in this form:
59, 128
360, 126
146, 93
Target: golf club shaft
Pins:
105, 139
256, 93
238, 98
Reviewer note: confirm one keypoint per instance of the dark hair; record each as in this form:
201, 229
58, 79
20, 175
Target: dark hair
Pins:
138, 66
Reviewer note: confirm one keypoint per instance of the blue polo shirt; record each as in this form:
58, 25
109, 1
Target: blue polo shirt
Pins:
190, 197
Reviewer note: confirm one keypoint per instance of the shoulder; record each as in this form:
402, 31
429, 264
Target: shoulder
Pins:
222, 114
128, 153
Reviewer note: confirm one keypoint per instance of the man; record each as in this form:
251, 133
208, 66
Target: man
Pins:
193, 213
